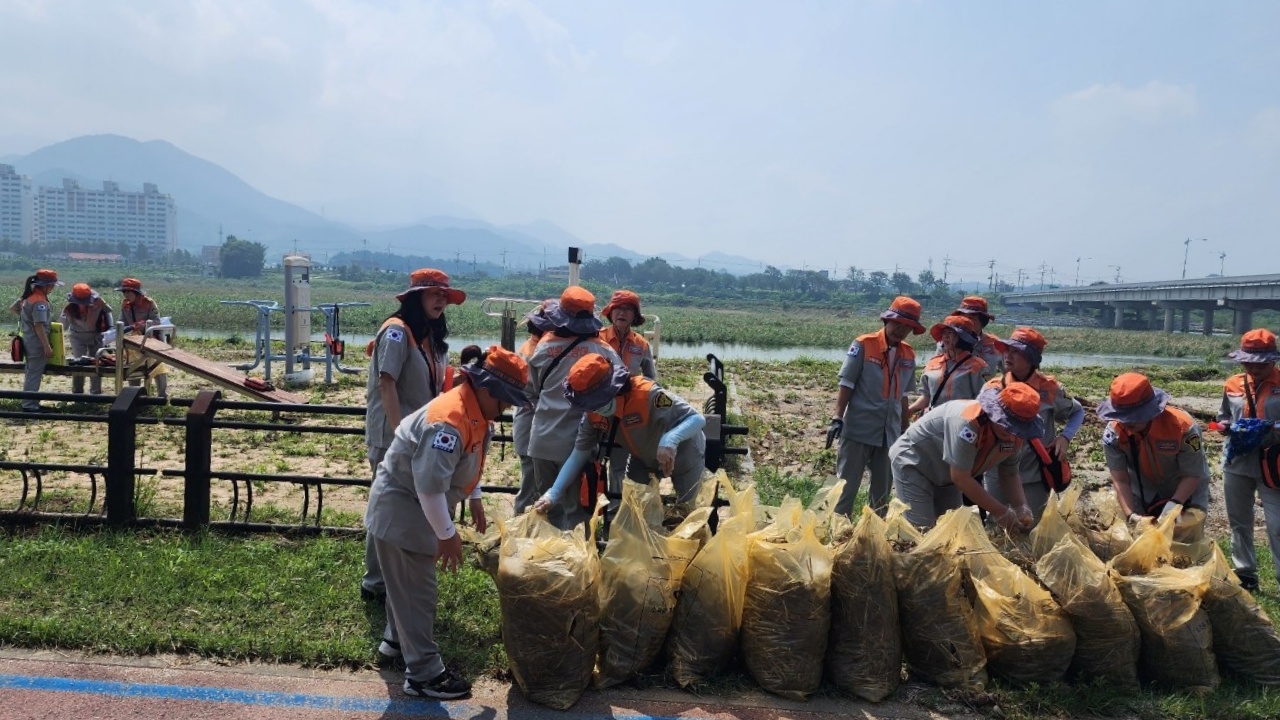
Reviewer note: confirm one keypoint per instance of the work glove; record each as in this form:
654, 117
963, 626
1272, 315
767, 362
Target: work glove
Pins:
1169, 508
666, 460
1135, 518
834, 429
1010, 521
1026, 518
543, 504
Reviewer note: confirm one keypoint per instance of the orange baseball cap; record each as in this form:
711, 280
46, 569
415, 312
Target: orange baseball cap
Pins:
963, 326
1132, 400
624, 297
1256, 346
133, 284
576, 311
593, 381
504, 374
47, 277
425, 278
975, 305
1015, 407
906, 311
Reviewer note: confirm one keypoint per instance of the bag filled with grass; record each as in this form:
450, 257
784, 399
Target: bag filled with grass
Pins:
864, 649
548, 589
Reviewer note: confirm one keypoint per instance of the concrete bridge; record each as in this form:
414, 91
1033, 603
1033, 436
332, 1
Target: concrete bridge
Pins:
1143, 304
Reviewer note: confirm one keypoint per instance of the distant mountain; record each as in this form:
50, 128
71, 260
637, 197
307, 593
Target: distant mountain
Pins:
212, 203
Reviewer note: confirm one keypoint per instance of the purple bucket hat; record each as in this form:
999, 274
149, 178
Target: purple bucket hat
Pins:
1133, 400
1015, 407
593, 381
538, 317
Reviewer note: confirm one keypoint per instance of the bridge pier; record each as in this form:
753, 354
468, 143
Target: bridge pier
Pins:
1168, 318
1118, 321
1243, 317
1208, 320
1186, 320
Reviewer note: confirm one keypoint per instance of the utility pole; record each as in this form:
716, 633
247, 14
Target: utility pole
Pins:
1042, 269
1117, 268
1052, 276
1222, 263
1019, 278
1078, 268
946, 261
991, 274
1186, 251
504, 262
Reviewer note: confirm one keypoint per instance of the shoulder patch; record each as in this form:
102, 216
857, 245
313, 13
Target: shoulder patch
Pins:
445, 441
394, 334
1109, 436
855, 349
1194, 443
41, 306
968, 435
663, 400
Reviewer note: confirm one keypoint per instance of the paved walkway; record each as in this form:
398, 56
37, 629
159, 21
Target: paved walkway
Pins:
71, 686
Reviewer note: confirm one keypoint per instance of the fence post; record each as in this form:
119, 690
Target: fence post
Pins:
199, 454
122, 442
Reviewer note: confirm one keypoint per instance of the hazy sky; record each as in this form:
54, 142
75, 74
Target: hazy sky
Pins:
818, 134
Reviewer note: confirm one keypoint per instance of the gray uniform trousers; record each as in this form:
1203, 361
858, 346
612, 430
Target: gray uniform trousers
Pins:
927, 500
372, 580
1238, 492
33, 371
411, 608
853, 459
1037, 494
86, 345
569, 513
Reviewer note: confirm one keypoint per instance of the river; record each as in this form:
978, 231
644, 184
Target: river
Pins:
729, 352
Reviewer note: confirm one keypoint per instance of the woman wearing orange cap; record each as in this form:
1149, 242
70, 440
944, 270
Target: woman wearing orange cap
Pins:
86, 316
879, 372
408, 367
1024, 351
36, 320
623, 314
936, 459
988, 347
1254, 393
1154, 453
661, 432
955, 373
435, 460
575, 334
138, 311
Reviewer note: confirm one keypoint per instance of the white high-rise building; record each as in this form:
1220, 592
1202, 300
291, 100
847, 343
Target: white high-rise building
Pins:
17, 207
71, 214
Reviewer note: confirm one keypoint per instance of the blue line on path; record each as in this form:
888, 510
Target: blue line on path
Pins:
200, 693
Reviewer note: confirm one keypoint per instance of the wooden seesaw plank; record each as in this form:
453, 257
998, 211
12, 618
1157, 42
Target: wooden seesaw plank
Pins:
221, 375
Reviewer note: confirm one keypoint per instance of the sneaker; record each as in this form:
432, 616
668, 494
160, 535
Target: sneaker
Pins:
389, 648
372, 595
1249, 582
448, 685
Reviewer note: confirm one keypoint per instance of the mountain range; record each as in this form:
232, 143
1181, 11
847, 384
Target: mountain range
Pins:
213, 202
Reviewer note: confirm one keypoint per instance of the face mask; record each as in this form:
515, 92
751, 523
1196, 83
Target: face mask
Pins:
608, 408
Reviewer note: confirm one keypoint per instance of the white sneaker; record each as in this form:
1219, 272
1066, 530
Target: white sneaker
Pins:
390, 648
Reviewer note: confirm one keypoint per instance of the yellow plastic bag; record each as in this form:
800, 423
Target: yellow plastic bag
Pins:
1245, 641
940, 638
548, 589
1177, 639
1152, 549
786, 611
1099, 521
1026, 636
864, 649
641, 570
1107, 637
704, 628
1053, 524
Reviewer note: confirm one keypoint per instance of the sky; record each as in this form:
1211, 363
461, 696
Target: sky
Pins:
1066, 139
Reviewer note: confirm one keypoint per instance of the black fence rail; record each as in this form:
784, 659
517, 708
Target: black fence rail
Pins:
201, 421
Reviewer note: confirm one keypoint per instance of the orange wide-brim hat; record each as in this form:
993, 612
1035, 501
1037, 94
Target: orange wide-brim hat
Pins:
430, 278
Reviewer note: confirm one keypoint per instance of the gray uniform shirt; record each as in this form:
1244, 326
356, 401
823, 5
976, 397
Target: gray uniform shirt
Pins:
427, 458
965, 378
555, 422
84, 329
874, 413
522, 417
1235, 405
395, 354
640, 429
1168, 451
946, 438
35, 311
1056, 407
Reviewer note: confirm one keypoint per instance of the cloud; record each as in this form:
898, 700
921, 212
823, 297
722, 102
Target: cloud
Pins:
1116, 107
553, 38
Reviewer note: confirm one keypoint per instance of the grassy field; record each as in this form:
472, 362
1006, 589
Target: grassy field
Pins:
294, 600
194, 303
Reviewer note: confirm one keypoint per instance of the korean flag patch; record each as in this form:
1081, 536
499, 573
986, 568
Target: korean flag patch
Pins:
1109, 436
395, 334
968, 435
855, 350
444, 441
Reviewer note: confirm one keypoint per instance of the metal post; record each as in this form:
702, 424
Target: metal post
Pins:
122, 441
199, 453
575, 259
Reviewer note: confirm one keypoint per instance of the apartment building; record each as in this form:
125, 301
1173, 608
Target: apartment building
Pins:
71, 214
17, 207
